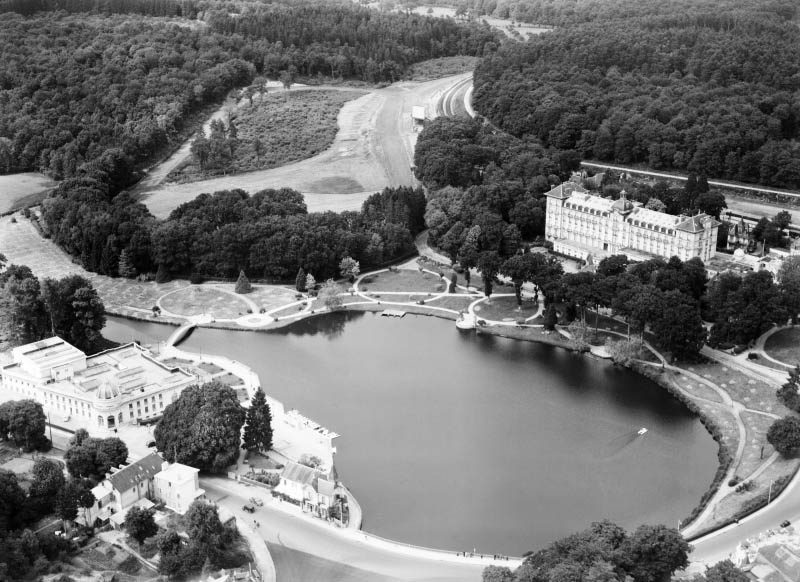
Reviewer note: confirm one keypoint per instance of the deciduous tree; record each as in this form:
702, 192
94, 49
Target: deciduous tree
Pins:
784, 435
140, 524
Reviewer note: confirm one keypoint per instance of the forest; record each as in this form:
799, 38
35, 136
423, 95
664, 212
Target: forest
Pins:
90, 99
705, 92
565, 13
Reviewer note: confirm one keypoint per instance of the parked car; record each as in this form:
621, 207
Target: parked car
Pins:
256, 501
786, 523
248, 508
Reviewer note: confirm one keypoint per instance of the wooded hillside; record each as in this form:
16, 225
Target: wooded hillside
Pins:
713, 93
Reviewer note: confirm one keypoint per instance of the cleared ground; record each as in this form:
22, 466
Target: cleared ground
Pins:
373, 149
25, 189
291, 126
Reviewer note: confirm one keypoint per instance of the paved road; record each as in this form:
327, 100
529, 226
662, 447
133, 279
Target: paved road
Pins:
299, 532
719, 545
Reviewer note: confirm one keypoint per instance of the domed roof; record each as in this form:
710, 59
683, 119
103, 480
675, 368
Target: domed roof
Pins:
107, 391
738, 254
623, 205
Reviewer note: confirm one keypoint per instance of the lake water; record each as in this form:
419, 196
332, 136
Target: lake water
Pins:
459, 441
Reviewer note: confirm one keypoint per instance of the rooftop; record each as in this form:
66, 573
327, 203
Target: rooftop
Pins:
299, 473
49, 353
134, 473
178, 473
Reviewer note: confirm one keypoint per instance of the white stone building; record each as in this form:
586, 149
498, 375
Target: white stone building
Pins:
177, 486
120, 385
581, 224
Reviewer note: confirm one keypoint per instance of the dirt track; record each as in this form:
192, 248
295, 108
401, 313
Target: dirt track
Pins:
373, 148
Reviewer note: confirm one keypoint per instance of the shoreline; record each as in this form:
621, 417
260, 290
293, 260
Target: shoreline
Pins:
533, 335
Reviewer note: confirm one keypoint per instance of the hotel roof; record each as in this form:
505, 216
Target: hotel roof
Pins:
566, 190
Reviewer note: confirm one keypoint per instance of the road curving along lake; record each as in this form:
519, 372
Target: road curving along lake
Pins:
460, 441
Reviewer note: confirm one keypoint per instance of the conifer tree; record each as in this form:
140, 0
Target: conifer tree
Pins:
162, 275
243, 284
258, 427
126, 268
300, 281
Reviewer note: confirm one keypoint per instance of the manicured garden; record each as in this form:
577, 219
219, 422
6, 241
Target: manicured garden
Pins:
200, 299
402, 280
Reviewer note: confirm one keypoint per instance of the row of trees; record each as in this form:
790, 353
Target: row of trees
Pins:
704, 91
34, 309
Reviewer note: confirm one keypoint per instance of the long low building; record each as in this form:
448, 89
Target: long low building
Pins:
121, 385
581, 224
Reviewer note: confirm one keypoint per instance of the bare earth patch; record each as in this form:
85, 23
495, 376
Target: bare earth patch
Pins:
291, 126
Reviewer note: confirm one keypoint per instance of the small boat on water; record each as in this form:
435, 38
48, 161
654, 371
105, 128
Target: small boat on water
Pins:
641, 431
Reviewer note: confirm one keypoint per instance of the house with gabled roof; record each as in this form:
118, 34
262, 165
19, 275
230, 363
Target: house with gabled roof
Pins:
313, 490
123, 488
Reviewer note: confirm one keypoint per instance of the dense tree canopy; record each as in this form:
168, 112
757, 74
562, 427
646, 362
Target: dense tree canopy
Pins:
605, 552
23, 422
202, 428
712, 90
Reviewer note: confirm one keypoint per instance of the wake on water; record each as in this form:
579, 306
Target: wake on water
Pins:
618, 444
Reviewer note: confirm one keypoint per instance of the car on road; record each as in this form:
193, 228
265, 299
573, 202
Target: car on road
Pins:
248, 508
786, 523
256, 501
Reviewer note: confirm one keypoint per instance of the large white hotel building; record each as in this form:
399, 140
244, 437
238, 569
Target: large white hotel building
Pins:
580, 224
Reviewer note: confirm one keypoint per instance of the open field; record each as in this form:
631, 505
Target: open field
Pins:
373, 149
22, 190
291, 126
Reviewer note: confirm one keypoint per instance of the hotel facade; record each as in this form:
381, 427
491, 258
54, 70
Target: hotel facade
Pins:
581, 224
121, 385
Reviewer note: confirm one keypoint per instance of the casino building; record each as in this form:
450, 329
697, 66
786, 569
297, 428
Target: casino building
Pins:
121, 385
581, 224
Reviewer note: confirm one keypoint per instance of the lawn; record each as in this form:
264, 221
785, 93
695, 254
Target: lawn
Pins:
505, 309
402, 280
198, 299
291, 126
754, 394
757, 426
22, 190
784, 346
450, 302
697, 389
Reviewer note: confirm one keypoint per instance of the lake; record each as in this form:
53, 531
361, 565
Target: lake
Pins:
459, 441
